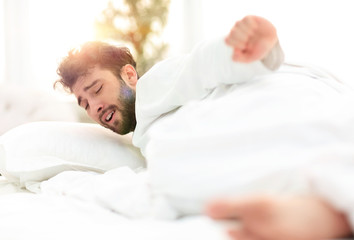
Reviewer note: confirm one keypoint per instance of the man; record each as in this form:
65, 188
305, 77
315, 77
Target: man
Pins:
87, 71
105, 83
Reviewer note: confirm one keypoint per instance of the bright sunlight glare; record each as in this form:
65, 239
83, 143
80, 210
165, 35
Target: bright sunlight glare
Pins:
55, 28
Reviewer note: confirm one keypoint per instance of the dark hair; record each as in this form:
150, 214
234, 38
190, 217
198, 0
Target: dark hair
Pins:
78, 62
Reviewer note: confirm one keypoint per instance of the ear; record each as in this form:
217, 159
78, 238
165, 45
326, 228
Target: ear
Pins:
129, 75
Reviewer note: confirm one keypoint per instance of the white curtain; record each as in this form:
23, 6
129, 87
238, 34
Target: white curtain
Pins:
16, 42
2, 47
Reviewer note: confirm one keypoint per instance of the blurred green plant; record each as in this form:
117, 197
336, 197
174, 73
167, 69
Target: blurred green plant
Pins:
138, 24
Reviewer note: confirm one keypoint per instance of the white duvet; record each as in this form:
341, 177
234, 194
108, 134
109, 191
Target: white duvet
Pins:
269, 135
81, 205
209, 126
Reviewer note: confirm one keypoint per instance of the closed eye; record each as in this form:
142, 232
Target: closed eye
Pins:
98, 90
85, 104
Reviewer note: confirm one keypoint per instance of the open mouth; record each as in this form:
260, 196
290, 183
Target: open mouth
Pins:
109, 116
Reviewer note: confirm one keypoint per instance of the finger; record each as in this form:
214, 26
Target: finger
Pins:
243, 27
245, 56
250, 23
236, 42
240, 55
222, 208
236, 207
239, 35
234, 38
237, 38
242, 234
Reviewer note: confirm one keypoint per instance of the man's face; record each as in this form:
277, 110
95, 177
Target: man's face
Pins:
108, 100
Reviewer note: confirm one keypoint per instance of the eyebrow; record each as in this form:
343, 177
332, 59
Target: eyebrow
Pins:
79, 99
91, 85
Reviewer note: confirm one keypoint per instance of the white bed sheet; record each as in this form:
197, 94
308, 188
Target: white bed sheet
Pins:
85, 205
7, 187
38, 216
64, 211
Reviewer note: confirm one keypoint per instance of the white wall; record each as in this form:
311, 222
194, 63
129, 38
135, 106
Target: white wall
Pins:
2, 46
16, 54
36, 34
311, 31
318, 32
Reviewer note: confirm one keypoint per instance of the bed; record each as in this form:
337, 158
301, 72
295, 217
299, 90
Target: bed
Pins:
52, 159
69, 180
73, 180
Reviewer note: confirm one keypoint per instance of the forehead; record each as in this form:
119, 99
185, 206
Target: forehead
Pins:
93, 76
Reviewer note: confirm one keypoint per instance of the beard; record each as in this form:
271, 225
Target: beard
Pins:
126, 107
127, 102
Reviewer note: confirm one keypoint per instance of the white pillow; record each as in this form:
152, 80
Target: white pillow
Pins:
36, 151
21, 104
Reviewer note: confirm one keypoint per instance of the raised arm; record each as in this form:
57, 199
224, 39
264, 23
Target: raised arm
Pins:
173, 83
252, 39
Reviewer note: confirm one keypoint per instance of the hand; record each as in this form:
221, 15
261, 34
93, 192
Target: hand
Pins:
280, 217
251, 38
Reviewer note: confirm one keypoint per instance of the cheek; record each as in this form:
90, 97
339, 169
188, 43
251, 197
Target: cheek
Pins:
92, 116
126, 93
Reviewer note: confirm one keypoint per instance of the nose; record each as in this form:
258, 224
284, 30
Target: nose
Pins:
95, 109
